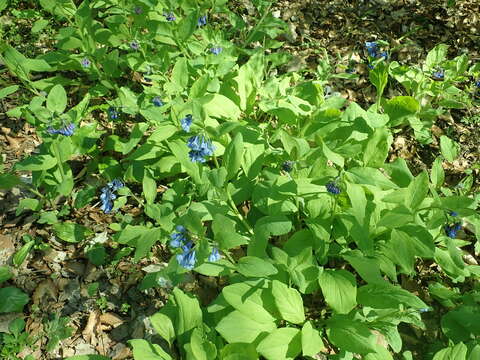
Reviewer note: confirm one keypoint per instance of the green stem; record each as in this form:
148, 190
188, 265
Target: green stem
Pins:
254, 30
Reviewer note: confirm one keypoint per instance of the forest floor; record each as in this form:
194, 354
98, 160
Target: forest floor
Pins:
102, 303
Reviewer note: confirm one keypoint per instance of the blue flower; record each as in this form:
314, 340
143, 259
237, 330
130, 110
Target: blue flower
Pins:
169, 16
439, 75
135, 45
178, 238
200, 148
214, 255
424, 310
332, 188
188, 257
107, 196
67, 130
287, 166
112, 113
477, 83
202, 20
372, 48
157, 101
186, 122
453, 213
451, 230
216, 50
383, 55
85, 62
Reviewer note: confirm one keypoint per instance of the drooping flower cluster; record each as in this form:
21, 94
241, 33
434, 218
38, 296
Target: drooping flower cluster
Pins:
200, 148
216, 50
112, 113
374, 52
108, 195
67, 130
85, 63
188, 257
287, 166
157, 101
451, 230
438, 75
169, 16
477, 83
186, 122
332, 188
202, 20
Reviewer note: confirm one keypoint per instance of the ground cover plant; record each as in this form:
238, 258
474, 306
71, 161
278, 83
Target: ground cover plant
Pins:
183, 164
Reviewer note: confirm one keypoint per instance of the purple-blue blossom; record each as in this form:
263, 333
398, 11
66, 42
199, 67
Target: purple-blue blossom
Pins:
202, 20
112, 113
169, 16
332, 188
178, 238
214, 255
157, 101
200, 148
216, 50
107, 195
188, 257
451, 230
135, 45
439, 75
186, 122
287, 166
67, 130
85, 63
372, 48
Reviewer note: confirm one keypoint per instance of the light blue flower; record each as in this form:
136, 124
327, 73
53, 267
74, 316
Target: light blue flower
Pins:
157, 101
216, 50
186, 122
67, 130
214, 255
202, 21
200, 148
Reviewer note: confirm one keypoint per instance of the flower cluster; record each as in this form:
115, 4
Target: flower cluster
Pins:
287, 166
67, 130
216, 50
112, 113
477, 83
202, 20
332, 188
186, 122
200, 148
135, 45
451, 230
85, 63
188, 257
169, 16
374, 51
108, 195
438, 75
157, 101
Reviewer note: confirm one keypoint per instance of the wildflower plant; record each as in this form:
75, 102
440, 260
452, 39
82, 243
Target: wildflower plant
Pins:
311, 251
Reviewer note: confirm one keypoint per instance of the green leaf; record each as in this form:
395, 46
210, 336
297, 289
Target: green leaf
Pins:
417, 191
149, 186
163, 326
252, 266
381, 353
8, 90
187, 26
71, 232
379, 77
21, 254
437, 175
200, 347
3, 5
180, 73
350, 335
233, 156
339, 289
239, 351
400, 108
284, 343
39, 25
36, 163
189, 315
367, 267
8, 181
219, 106
5, 274
13, 299
448, 148
312, 342
461, 324
436, 56
457, 352
57, 99
143, 350
387, 296
225, 233
239, 328
289, 302
249, 300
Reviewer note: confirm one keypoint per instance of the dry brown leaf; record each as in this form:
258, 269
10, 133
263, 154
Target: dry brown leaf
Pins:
89, 333
111, 319
46, 287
